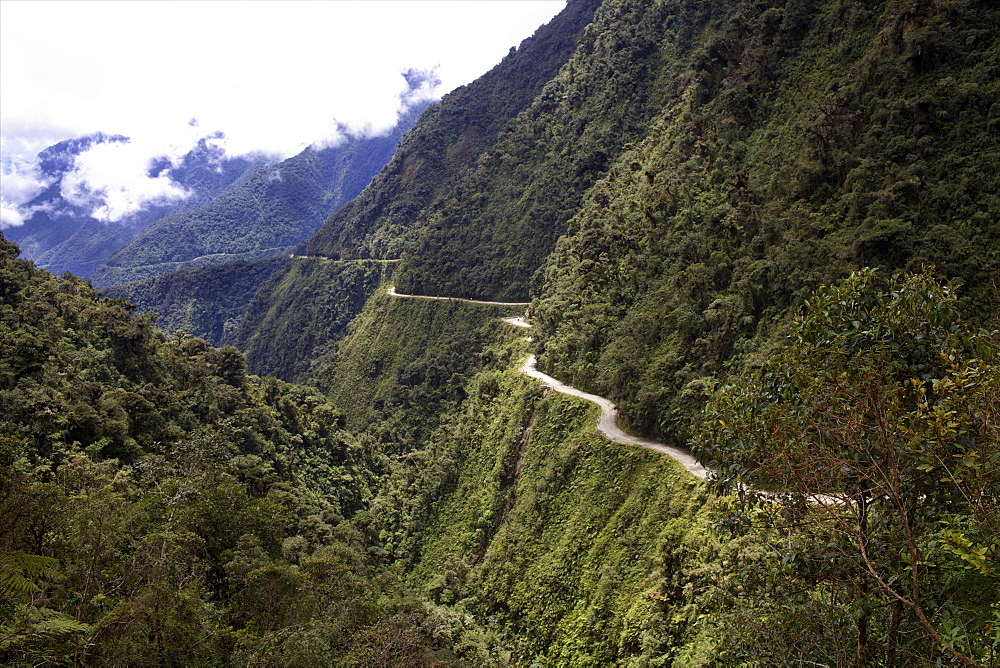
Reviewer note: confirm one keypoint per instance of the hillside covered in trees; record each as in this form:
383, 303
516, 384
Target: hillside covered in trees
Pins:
770, 232
60, 233
269, 212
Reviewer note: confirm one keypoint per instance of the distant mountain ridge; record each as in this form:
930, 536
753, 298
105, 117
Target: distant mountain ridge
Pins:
60, 235
272, 210
208, 303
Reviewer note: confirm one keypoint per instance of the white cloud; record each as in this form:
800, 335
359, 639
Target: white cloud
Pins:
10, 215
273, 77
111, 179
19, 184
20, 181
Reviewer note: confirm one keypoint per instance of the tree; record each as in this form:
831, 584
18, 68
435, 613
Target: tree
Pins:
877, 427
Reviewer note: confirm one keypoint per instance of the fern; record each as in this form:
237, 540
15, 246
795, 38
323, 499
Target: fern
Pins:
19, 572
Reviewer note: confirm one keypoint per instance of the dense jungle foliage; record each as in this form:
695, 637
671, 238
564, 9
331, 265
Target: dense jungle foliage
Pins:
300, 312
206, 303
240, 522
552, 545
792, 266
405, 363
879, 422
800, 141
490, 234
152, 490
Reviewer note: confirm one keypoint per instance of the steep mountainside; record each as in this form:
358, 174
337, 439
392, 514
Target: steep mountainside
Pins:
61, 234
490, 234
208, 303
150, 489
789, 145
405, 363
884, 144
444, 145
271, 211
690, 197
796, 144
302, 310
447, 142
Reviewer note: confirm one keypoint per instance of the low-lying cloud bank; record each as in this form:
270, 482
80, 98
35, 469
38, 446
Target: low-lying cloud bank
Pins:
111, 177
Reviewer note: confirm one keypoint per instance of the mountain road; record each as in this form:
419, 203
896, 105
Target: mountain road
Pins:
607, 423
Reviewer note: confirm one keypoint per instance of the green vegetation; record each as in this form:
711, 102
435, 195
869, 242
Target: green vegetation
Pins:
531, 536
299, 313
569, 549
477, 518
750, 274
405, 363
152, 490
490, 234
447, 142
879, 421
799, 142
271, 211
206, 303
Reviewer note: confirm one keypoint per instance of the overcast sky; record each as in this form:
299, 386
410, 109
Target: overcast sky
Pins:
273, 76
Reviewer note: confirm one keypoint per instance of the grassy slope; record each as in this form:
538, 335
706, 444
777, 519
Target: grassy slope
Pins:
565, 547
404, 364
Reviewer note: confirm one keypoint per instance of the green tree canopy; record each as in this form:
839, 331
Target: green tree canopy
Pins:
879, 421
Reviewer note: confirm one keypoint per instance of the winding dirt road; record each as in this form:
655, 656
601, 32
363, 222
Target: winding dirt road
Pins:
293, 256
607, 424
392, 293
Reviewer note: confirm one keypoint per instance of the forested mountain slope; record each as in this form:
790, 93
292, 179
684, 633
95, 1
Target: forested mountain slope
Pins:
868, 122
791, 144
709, 279
61, 233
444, 145
271, 211
160, 504
208, 303
150, 490
698, 137
491, 233
447, 142
303, 310
797, 143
